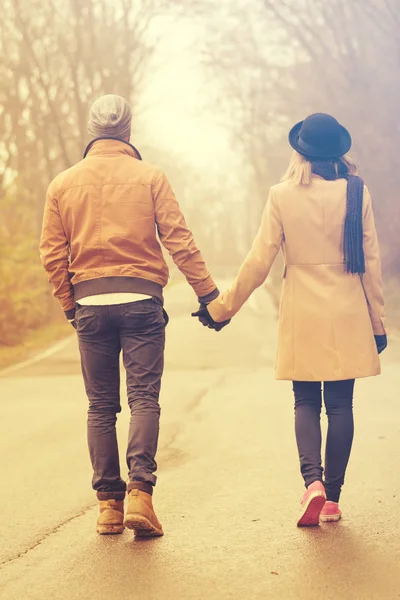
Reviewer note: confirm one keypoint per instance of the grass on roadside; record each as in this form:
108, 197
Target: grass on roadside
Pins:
34, 342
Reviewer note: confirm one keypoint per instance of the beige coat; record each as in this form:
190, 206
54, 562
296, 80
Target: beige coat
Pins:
327, 318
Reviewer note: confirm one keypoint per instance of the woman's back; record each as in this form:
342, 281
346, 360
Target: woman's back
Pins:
328, 316
331, 314
312, 218
324, 322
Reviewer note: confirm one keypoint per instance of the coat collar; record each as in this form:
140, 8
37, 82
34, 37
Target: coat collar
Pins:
107, 145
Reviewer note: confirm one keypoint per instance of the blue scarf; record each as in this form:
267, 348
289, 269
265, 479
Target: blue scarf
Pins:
353, 249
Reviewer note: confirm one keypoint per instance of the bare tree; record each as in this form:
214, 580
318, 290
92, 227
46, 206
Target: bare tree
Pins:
283, 60
57, 57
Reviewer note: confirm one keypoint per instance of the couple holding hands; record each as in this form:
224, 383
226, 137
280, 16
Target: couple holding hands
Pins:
102, 224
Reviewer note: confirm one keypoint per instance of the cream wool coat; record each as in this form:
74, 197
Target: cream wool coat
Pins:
327, 317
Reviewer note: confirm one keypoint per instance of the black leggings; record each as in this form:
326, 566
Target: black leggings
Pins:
338, 399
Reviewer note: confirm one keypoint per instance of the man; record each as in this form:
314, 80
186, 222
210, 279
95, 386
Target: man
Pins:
100, 249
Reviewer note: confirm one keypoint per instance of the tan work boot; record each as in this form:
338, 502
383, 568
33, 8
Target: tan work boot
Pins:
111, 518
140, 515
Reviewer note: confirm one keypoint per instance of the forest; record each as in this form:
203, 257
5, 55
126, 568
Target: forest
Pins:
268, 67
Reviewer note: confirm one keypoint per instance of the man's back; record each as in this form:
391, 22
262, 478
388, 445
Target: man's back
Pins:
108, 214
100, 249
100, 226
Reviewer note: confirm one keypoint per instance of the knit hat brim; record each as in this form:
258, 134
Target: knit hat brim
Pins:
110, 116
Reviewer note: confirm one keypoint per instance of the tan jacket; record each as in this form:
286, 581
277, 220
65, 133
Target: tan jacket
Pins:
327, 318
100, 227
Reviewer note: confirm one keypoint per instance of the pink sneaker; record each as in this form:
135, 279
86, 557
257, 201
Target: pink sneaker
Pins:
330, 512
312, 504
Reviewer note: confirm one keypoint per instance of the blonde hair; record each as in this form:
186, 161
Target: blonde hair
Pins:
299, 171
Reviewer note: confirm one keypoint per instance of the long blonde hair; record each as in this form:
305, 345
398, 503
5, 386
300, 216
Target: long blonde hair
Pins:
299, 171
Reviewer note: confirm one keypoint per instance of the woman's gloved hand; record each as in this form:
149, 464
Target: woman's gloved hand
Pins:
381, 342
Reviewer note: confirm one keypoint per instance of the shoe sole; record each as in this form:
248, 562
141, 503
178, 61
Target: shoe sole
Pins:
330, 518
109, 529
142, 526
312, 510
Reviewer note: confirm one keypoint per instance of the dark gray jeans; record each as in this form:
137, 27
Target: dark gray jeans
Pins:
138, 329
338, 399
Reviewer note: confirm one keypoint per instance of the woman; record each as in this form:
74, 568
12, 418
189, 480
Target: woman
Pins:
331, 317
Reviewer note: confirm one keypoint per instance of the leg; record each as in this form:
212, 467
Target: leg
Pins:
308, 403
338, 397
143, 341
99, 347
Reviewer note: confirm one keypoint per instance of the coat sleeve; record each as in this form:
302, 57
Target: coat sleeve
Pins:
372, 278
178, 240
54, 255
256, 266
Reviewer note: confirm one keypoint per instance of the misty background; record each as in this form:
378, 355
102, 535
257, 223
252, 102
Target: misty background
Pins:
214, 91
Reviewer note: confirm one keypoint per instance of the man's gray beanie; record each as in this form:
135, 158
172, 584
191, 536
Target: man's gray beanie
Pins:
110, 116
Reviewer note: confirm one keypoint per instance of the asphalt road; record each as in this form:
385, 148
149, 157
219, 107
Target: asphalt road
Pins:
229, 487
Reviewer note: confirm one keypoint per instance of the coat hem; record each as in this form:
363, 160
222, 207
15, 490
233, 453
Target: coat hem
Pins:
343, 378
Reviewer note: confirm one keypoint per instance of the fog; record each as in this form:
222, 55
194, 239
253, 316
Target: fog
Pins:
214, 90
215, 87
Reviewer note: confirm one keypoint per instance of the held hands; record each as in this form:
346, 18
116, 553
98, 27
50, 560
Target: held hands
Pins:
206, 319
381, 342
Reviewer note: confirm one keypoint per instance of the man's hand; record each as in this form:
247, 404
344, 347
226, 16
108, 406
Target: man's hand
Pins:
206, 319
203, 316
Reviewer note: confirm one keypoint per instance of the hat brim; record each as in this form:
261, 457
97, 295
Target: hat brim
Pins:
317, 153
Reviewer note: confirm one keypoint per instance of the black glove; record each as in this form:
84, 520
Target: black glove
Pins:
381, 342
206, 319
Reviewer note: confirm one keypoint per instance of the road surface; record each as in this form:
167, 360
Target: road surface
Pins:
229, 487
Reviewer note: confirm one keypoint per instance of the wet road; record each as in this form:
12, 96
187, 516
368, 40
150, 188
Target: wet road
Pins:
229, 486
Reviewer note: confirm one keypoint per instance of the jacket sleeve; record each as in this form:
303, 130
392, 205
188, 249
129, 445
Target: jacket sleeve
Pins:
372, 278
256, 266
178, 240
54, 255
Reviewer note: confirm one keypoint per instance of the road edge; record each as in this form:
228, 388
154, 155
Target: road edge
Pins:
39, 357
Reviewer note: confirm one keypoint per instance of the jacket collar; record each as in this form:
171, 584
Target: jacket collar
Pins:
109, 145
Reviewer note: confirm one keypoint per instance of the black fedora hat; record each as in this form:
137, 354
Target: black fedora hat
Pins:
320, 137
